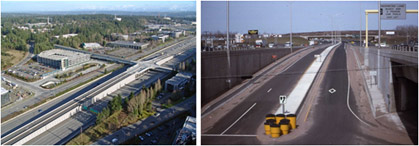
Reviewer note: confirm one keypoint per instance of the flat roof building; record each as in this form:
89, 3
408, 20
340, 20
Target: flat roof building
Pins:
62, 59
127, 44
5, 97
188, 132
178, 81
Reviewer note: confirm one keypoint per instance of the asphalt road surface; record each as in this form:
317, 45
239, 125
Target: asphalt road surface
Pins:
254, 108
27, 117
333, 122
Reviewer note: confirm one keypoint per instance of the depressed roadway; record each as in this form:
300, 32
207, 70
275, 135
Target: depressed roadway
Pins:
333, 116
240, 125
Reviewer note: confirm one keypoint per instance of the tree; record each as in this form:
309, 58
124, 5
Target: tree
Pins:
116, 103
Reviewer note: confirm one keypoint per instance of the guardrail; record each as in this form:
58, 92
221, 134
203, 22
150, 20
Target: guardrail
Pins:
405, 48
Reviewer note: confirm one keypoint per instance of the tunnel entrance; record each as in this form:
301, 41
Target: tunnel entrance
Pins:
406, 97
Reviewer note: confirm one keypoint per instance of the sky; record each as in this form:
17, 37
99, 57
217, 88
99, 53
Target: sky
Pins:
274, 17
45, 6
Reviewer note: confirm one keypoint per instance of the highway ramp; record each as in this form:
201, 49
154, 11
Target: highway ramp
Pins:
252, 110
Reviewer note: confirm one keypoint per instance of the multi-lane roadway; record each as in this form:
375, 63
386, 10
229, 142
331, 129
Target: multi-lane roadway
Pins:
44, 114
251, 111
334, 116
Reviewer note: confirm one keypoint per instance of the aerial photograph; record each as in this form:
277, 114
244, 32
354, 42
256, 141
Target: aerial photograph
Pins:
309, 72
98, 72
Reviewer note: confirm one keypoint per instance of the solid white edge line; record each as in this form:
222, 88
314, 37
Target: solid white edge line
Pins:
347, 99
238, 119
227, 135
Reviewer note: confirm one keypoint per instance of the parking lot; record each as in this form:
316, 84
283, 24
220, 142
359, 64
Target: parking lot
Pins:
32, 71
161, 135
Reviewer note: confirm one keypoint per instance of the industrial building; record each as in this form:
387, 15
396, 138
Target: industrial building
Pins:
177, 82
5, 97
128, 44
62, 59
162, 37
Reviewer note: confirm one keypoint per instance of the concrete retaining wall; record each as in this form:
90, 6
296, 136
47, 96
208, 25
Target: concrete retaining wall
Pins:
378, 67
243, 63
48, 126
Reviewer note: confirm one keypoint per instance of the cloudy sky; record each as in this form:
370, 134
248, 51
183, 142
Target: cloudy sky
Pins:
44, 6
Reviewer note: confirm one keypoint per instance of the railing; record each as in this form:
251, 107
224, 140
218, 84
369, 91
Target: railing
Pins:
405, 48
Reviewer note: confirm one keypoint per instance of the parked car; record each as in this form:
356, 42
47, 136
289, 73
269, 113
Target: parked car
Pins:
157, 114
154, 141
148, 134
114, 140
141, 138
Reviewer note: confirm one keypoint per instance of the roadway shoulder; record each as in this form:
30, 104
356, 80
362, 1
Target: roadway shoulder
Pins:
211, 118
310, 99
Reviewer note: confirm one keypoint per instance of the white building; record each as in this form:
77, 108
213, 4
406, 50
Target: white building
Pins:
91, 45
117, 19
62, 59
238, 38
66, 35
162, 37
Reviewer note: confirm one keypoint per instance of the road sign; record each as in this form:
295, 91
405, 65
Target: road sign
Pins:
373, 73
253, 32
282, 99
393, 11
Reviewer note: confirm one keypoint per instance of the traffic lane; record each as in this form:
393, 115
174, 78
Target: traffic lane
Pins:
69, 128
22, 120
241, 88
333, 123
9, 126
264, 103
228, 140
47, 119
40, 96
281, 84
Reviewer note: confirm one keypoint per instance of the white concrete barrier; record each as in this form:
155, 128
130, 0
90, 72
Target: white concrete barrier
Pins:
297, 95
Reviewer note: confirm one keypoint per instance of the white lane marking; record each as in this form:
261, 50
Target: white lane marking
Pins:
238, 119
332, 90
347, 101
249, 85
269, 90
227, 135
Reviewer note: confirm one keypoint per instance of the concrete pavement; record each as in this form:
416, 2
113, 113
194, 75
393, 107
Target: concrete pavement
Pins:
243, 120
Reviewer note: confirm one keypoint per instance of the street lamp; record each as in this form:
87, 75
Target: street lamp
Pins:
291, 26
228, 47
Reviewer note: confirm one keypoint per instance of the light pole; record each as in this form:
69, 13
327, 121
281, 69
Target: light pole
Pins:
291, 26
379, 24
360, 25
228, 47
